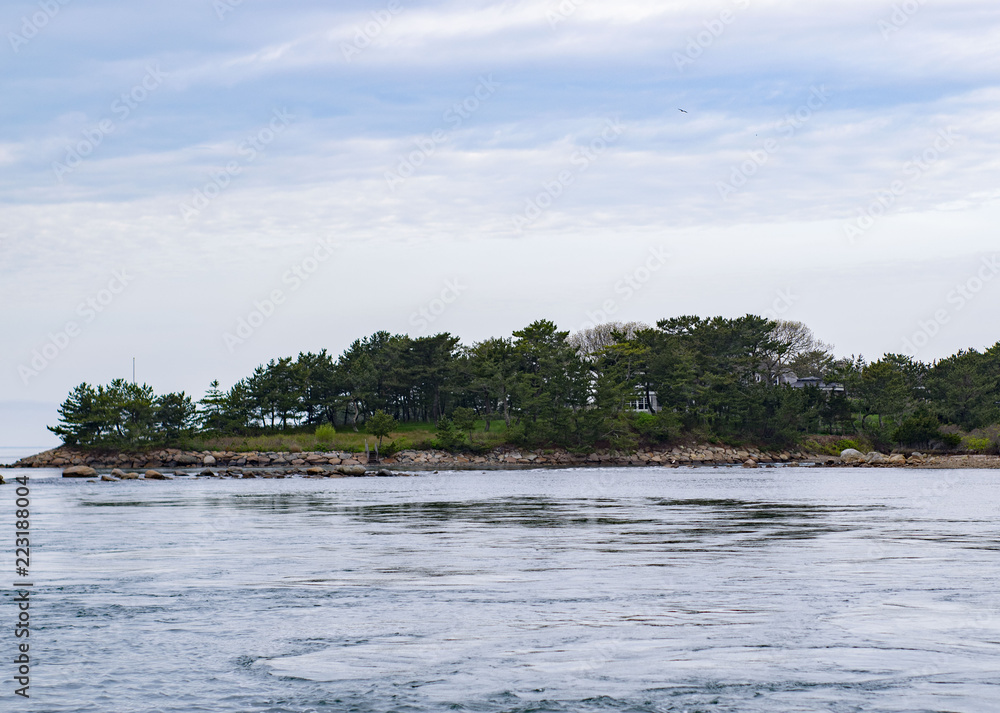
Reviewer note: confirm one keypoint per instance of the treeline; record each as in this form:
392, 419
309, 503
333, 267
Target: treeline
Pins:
616, 385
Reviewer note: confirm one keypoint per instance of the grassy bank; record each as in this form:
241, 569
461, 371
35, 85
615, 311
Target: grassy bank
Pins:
416, 436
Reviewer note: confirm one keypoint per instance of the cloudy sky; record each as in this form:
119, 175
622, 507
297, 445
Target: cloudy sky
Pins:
204, 185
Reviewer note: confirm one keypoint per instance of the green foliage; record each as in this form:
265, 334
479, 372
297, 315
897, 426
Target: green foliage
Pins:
620, 434
175, 415
464, 419
447, 437
381, 425
977, 445
325, 434
965, 388
951, 440
711, 379
656, 428
551, 387
845, 443
121, 415
921, 430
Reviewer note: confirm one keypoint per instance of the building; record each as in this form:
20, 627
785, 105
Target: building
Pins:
815, 382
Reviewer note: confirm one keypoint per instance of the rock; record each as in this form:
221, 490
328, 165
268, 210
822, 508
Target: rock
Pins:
207, 472
128, 476
851, 455
117, 472
208, 460
79, 471
187, 459
156, 475
383, 473
749, 463
874, 457
897, 459
315, 470
351, 469
109, 479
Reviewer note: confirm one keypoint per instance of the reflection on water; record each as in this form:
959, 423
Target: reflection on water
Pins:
624, 590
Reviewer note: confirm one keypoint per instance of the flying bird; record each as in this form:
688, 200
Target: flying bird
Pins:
682, 110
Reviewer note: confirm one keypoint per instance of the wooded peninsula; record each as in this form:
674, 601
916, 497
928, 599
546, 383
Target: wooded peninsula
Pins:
619, 386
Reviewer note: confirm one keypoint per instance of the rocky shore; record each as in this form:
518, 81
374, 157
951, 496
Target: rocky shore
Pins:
253, 464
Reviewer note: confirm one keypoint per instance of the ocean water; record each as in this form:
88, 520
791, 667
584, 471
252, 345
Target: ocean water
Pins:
710, 589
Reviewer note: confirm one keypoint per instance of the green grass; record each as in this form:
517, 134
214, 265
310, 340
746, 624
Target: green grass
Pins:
418, 436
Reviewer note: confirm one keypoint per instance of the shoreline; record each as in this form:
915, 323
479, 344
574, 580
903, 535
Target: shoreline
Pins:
81, 464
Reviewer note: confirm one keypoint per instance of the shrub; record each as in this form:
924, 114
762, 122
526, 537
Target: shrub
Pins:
976, 445
845, 443
620, 433
950, 440
448, 437
656, 428
325, 432
920, 429
464, 419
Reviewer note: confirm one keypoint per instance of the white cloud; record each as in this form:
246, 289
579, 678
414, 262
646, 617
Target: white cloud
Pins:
655, 184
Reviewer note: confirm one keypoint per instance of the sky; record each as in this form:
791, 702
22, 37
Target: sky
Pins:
205, 185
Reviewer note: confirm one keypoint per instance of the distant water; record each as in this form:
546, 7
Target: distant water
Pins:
572, 590
12, 454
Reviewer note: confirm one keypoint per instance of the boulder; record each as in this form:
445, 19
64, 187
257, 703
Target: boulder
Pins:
118, 472
207, 472
874, 457
749, 463
315, 470
109, 479
897, 459
79, 471
351, 469
208, 460
851, 455
156, 475
187, 459
383, 473
128, 476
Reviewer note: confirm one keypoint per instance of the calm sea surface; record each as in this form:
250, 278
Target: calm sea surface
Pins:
573, 590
